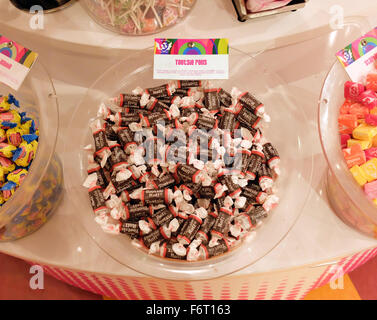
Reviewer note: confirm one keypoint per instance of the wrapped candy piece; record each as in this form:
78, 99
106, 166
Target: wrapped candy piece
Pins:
8, 189
7, 150
25, 153
4, 104
97, 200
100, 142
7, 165
368, 98
189, 229
206, 252
17, 176
352, 90
173, 251
11, 117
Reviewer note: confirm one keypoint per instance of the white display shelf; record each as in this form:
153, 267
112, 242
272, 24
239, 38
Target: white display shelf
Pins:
72, 29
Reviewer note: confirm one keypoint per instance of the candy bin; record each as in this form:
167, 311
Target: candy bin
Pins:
138, 17
32, 179
293, 185
344, 188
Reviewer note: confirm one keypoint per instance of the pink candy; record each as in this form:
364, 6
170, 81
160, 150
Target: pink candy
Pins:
352, 90
370, 190
370, 153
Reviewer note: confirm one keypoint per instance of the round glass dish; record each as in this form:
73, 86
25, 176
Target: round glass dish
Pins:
286, 132
344, 194
138, 17
33, 202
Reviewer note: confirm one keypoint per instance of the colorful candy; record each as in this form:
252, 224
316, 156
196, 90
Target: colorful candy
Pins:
187, 178
18, 146
358, 132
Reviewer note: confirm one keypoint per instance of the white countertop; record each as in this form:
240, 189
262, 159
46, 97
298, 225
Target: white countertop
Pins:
318, 235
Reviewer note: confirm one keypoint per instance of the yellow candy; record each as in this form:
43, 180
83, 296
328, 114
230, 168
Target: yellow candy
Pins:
359, 175
6, 150
364, 132
1, 175
4, 105
14, 136
1, 198
17, 176
363, 143
373, 111
16, 116
370, 169
375, 202
3, 135
26, 153
26, 127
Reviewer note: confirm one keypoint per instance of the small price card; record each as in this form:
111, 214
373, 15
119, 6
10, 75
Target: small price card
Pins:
191, 59
359, 57
15, 62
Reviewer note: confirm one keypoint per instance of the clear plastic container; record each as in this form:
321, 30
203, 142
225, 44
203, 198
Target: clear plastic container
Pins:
138, 17
286, 132
34, 201
346, 197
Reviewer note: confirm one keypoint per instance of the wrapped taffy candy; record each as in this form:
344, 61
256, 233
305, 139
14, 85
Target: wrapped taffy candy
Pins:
18, 146
182, 168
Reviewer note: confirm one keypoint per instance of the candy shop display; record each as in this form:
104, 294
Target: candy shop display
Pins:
138, 17
18, 145
182, 168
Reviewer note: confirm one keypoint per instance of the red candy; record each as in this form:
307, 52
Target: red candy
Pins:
369, 99
371, 119
352, 90
343, 140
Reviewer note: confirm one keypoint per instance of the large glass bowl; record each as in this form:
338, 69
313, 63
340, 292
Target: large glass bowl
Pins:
137, 17
34, 201
287, 132
345, 196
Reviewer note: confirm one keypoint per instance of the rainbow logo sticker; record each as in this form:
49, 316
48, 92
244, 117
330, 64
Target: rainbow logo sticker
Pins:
191, 46
358, 48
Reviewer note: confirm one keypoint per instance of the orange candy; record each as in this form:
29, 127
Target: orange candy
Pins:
345, 108
372, 82
354, 155
347, 122
359, 110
